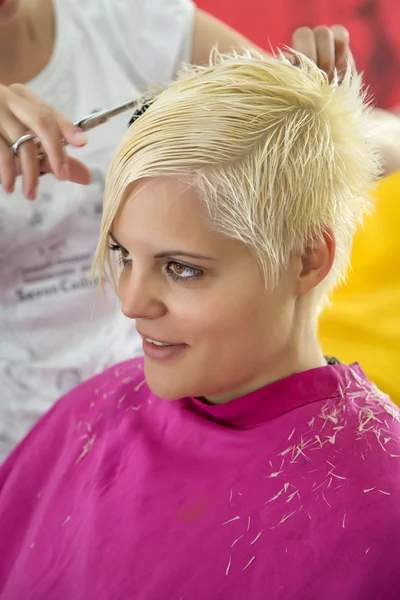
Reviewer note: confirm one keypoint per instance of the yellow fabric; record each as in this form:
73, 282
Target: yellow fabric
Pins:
363, 323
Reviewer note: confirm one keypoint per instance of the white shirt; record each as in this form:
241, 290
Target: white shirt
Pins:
55, 331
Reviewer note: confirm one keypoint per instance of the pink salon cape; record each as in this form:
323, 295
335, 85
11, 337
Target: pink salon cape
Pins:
292, 492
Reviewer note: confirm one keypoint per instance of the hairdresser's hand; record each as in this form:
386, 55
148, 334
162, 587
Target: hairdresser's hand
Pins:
23, 112
329, 47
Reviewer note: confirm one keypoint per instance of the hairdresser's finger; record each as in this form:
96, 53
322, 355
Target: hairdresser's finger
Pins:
325, 47
303, 41
41, 120
72, 134
10, 130
25, 116
78, 171
343, 55
29, 165
7, 167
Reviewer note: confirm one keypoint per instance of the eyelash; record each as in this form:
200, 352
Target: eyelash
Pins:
122, 259
196, 273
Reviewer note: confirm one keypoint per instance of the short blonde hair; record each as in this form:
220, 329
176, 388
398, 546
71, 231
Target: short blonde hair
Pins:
277, 152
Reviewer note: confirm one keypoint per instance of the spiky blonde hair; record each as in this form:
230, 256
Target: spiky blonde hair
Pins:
277, 153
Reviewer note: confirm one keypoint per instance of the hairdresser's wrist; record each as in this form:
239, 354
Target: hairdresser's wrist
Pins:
388, 129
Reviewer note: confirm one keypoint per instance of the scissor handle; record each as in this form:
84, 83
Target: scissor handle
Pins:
24, 138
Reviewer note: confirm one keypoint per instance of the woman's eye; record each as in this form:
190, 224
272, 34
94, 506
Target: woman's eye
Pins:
177, 270
123, 255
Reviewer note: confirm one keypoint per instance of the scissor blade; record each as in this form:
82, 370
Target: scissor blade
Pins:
102, 116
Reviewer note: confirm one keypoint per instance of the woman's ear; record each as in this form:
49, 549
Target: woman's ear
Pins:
316, 262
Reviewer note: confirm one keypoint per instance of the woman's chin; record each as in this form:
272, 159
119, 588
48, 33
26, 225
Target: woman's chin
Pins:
165, 380
165, 392
164, 388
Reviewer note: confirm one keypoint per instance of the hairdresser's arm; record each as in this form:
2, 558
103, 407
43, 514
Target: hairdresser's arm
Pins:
209, 32
388, 129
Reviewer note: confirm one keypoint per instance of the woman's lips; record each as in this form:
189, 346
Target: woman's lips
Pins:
162, 353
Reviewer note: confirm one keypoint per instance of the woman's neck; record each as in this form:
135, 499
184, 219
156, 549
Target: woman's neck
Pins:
27, 42
301, 352
290, 364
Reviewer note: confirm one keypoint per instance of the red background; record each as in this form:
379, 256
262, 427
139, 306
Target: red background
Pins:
374, 27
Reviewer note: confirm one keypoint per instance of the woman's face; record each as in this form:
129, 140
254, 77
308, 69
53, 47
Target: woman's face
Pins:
200, 293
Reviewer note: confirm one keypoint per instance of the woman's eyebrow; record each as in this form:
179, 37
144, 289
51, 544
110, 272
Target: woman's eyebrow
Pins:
170, 253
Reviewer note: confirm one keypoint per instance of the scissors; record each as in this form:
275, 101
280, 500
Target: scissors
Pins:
90, 122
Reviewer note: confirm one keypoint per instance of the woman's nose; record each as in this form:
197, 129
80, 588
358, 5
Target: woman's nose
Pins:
140, 296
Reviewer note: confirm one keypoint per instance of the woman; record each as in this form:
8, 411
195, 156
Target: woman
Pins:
232, 462
74, 57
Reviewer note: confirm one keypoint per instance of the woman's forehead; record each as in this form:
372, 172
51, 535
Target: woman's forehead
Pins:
165, 213
160, 205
